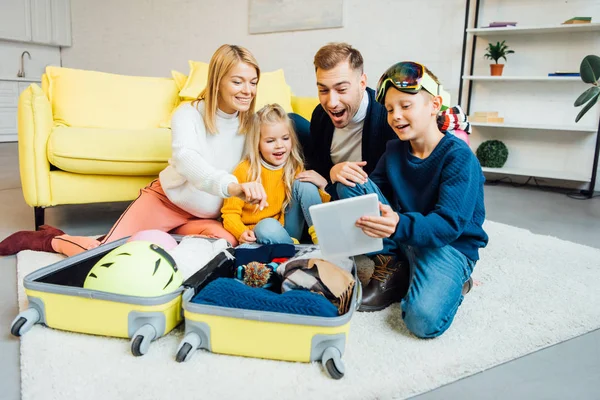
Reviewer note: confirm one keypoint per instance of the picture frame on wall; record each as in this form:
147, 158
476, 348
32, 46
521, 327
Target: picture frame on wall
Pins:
268, 16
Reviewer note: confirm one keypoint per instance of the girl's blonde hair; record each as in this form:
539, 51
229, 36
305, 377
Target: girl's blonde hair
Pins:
225, 58
269, 115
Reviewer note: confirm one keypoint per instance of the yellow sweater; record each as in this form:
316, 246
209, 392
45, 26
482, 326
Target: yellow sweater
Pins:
239, 216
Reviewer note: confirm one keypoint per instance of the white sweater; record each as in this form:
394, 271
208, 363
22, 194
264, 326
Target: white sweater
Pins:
200, 167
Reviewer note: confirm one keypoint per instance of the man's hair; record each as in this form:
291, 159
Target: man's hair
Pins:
330, 55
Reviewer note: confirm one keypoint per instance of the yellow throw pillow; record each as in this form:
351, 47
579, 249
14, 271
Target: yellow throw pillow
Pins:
196, 80
90, 99
179, 79
272, 88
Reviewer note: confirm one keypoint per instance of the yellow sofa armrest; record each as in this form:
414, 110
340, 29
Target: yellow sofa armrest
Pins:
304, 106
34, 127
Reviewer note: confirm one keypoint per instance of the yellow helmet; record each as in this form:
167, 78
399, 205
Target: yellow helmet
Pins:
136, 268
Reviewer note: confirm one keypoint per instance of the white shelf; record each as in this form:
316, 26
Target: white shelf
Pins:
522, 78
536, 127
517, 30
540, 173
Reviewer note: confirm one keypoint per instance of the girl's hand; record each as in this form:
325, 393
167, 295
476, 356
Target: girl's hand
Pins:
250, 192
313, 177
349, 173
380, 227
247, 237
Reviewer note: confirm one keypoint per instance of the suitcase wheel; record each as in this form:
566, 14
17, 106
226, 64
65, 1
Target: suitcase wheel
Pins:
24, 321
333, 364
140, 342
188, 346
183, 352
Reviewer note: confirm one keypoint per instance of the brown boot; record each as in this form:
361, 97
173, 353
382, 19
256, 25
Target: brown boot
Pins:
30, 240
388, 284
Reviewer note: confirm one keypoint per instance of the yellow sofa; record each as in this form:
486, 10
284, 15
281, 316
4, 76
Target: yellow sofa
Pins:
91, 137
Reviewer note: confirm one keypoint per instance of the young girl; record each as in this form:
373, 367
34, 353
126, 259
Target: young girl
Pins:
208, 142
430, 186
273, 157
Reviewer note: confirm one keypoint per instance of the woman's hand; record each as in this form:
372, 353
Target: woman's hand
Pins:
313, 177
250, 192
247, 237
349, 173
382, 226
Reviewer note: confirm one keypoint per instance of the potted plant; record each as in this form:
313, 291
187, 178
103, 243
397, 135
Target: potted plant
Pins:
496, 52
590, 73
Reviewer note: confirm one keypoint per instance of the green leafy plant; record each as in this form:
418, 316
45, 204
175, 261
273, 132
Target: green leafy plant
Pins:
492, 154
497, 51
590, 73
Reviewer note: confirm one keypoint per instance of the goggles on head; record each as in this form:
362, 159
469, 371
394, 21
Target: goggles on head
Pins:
410, 77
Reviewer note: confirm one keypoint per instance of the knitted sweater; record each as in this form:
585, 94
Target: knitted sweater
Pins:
239, 216
200, 167
439, 198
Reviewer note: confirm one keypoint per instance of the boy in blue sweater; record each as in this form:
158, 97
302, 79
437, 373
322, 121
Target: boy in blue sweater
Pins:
430, 187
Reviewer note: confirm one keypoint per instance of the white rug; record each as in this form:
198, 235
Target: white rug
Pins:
532, 291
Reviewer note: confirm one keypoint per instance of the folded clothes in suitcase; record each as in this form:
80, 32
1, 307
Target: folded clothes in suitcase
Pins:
261, 334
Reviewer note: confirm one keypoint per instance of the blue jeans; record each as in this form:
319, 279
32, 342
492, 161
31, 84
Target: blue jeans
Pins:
270, 231
437, 276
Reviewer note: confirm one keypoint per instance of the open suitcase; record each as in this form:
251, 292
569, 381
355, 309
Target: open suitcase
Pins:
261, 334
57, 299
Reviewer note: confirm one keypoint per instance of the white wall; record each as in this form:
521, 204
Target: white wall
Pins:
151, 37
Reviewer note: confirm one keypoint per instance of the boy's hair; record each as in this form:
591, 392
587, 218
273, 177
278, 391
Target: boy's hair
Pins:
269, 115
330, 55
225, 58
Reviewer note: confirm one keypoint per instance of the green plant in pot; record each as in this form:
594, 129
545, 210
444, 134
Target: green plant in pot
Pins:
590, 73
496, 52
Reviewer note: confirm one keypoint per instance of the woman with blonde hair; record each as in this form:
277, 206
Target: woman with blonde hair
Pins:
273, 157
208, 139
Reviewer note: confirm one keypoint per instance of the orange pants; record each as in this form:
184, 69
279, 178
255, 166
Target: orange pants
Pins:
151, 210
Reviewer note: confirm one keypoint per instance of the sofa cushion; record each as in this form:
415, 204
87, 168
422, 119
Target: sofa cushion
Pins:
272, 88
109, 151
91, 99
179, 78
304, 106
196, 80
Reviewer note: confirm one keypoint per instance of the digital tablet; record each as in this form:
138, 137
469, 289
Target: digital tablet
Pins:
335, 227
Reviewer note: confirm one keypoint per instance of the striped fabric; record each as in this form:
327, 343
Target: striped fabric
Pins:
453, 119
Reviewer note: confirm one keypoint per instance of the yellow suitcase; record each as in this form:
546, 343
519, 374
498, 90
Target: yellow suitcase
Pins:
261, 334
58, 300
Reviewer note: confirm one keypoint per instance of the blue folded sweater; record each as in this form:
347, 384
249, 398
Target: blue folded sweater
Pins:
227, 292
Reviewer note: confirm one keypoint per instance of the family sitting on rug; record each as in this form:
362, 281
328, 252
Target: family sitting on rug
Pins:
429, 183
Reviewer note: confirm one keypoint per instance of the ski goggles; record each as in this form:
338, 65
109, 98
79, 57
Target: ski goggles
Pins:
410, 77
